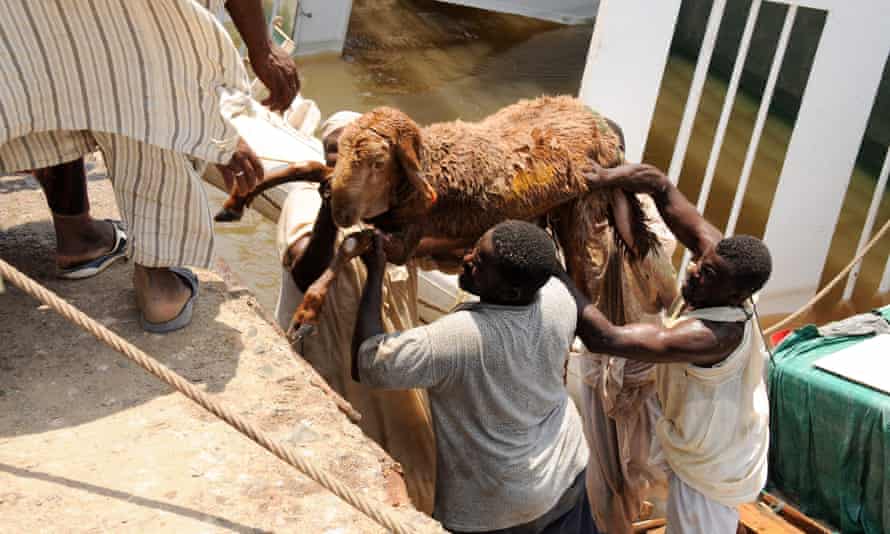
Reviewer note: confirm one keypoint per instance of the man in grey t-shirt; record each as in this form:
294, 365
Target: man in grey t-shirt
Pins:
510, 446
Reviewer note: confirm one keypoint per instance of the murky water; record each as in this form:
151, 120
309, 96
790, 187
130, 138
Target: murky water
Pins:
439, 62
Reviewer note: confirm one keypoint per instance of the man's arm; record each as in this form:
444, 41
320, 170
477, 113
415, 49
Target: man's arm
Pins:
270, 63
369, 322
692, 340
420, 357
680, 215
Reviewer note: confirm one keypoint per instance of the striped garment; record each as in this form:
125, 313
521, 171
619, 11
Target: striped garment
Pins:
152, 83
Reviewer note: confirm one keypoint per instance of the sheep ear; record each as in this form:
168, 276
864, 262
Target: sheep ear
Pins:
407, 155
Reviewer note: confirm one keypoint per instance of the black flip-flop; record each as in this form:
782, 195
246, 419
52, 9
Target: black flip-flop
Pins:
95, 266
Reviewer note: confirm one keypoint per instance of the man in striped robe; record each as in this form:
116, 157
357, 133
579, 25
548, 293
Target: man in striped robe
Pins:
153, 85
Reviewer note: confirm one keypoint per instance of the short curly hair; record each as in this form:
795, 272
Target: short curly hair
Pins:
751, 261
524, 254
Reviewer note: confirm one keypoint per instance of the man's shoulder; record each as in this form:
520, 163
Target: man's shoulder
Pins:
463, 324
555, 294
729, 334
463, 314
723, 339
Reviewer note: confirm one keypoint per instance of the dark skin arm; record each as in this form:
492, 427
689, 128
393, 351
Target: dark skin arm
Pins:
695, 341
271, 64
369, 321
312, 254
680, 215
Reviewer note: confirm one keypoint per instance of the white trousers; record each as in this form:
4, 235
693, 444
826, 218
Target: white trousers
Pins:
690, 512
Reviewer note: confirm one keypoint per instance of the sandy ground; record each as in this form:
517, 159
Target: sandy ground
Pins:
91, 443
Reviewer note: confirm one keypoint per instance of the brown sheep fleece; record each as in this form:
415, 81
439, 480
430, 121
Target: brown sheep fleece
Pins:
526, 161
518, 163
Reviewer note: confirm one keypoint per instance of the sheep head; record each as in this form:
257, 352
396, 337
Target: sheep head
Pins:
378, 167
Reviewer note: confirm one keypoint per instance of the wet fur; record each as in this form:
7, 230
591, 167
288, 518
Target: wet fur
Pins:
521, 162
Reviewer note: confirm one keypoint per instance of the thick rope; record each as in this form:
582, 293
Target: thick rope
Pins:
377, 511
831, 285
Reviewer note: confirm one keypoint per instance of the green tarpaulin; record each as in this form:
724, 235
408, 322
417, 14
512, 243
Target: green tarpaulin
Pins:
830, 438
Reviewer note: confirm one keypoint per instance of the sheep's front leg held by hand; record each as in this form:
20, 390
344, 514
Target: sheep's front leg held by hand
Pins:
400, 245
309, 310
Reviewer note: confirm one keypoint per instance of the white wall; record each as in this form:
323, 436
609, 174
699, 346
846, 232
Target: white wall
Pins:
622, 80
321, 26
562, 11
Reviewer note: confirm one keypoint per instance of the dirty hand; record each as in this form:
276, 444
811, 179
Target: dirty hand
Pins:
597, 176
324, 190
278, 72
374, 257
244, 171
633, 177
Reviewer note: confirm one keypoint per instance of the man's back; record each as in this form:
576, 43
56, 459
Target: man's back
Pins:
509, 440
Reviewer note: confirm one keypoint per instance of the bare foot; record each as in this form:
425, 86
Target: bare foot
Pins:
160, 293
80, 238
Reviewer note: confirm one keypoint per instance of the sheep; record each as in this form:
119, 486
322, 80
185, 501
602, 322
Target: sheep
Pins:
458, 179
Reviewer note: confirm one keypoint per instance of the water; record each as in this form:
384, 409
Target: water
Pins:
439, 62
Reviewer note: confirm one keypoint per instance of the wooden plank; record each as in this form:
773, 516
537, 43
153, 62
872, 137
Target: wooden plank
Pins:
760, 519
793, 515
755, 518
649, 525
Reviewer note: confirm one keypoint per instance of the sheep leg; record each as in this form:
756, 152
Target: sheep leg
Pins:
311, 171
621, 216
401, 245
309, 310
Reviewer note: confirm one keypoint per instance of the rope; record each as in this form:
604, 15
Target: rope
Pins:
376, 511
835, 281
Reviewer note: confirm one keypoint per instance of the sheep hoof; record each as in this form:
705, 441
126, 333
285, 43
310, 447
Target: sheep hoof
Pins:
228, 215
297, 332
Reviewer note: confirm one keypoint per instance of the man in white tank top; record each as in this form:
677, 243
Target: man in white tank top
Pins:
714, 430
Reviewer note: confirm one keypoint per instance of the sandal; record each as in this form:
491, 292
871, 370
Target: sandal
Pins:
185, 315
95, 266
